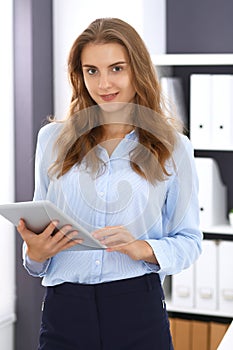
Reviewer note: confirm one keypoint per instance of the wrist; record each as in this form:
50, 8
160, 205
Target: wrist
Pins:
148, 253
35, 257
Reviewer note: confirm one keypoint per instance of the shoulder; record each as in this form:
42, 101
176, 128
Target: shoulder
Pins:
48, 134
50, 130
183, 144
183, 153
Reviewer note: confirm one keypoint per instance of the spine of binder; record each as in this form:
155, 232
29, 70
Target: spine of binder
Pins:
201, 110
206, 277
222, 103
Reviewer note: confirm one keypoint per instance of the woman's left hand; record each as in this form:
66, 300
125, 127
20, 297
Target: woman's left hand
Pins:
119, 239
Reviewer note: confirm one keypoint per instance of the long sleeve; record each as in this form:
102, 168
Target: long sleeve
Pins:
180, 245
43, 159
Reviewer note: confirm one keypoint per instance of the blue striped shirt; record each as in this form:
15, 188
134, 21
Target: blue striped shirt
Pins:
166, 214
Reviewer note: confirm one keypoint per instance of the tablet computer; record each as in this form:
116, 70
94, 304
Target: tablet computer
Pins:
37, 216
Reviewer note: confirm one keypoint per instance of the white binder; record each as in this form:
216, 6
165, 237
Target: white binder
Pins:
212, 194
206, 277
183, 288
200, 110
226, 277
222, 103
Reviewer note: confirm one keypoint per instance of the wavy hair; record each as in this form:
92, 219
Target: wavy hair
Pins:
82, 131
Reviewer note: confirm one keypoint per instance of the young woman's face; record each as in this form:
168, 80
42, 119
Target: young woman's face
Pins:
107, 75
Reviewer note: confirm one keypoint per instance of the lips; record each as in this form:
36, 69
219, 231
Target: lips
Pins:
109, 97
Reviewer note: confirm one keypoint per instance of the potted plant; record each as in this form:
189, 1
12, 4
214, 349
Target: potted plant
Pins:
230, 215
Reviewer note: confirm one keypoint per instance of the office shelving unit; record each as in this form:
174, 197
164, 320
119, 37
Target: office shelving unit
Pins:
183, 65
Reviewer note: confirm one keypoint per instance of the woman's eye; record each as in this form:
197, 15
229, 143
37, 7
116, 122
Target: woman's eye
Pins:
91, 71
117, 69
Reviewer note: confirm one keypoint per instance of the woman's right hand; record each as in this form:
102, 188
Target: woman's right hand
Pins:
45, 245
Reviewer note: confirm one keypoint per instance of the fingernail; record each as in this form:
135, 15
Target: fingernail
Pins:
55, 222
68, 227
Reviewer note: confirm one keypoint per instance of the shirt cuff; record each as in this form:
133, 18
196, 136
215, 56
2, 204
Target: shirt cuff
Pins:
152, 266
35, 268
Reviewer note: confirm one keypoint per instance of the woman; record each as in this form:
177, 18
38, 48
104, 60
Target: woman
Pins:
121, 168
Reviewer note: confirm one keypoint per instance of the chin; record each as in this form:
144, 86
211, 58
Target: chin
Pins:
112, 107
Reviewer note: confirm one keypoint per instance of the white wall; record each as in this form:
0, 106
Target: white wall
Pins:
7, 233
71, 17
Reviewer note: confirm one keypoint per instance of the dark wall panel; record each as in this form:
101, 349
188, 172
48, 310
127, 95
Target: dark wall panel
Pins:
33, 102
201, 26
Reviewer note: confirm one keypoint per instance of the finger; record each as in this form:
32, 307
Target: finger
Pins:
64, 239
106, 231
62, 233
49, 230
68, 241
113, 240
23, 230
121, 248
71, 243
115, 237
21, 225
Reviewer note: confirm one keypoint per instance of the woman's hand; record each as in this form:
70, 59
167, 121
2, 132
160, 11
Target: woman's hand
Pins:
45, 245
119, 239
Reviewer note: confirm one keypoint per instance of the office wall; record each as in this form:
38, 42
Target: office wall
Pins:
199, 26
33, 102
202, 27
7, 236
146, 16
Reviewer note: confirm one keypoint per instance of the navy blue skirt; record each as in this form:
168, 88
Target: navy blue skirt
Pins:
122, 315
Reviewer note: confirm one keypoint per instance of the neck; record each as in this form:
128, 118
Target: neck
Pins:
116, 130
117, 123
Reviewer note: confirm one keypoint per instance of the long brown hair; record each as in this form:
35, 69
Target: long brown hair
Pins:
82, 130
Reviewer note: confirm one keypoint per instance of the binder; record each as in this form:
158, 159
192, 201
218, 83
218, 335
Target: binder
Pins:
226, 277
206, 277
211, 111
200, 110
212, 194
222, 102
183, 288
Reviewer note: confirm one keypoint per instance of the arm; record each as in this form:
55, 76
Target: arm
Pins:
118, 238
180, 244
35, 268
39, 249
37, 264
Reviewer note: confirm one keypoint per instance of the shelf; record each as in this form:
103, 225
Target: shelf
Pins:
216, 149
192, 59
180, 309
219, 229
166, 65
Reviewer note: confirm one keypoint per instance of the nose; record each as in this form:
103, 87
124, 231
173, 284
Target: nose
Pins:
104, 81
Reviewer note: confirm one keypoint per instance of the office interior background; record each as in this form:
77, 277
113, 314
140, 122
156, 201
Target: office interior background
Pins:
192, 48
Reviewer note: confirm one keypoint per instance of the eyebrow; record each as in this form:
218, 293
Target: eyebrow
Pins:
111, 65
